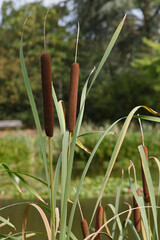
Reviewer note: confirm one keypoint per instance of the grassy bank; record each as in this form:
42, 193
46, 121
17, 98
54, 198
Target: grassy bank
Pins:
20, 151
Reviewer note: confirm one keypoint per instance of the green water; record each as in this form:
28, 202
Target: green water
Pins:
35, 224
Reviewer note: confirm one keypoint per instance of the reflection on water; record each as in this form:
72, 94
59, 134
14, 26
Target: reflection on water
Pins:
15, 213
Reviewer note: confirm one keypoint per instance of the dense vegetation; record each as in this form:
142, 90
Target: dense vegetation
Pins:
133, 64
21, 148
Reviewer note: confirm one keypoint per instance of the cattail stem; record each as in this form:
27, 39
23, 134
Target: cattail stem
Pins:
145, 187
52, 190
85, 230
99, 221
44, 30
47, 93
137, 214
77, 43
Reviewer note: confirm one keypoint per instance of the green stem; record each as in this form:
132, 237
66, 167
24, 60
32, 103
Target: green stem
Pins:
149, 223
52, 190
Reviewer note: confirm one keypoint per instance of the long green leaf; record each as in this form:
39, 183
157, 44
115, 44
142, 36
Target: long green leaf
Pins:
56, 177
59, 110
10, 173
79, 120
141, 206
136, 236
150, 186
71, 157
108, 50
64, 166
116, 220
30, 188
116, 152
7, 222
26, 174
85, 172
33, 107
116, 210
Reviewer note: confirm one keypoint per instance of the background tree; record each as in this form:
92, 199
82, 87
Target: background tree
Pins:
117, 82
60, 44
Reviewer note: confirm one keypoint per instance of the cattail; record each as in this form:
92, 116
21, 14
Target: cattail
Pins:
85, 229
145, 187
47, 93
73, 92
137, 214
99, 221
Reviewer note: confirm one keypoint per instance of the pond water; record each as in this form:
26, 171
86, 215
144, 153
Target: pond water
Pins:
35, 224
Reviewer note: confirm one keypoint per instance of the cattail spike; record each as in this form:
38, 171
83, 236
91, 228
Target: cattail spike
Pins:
99, 221
73, 92
85, 229
145, 187
47, 93
137, 214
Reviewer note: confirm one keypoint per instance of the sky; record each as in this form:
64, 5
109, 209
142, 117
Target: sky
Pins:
18, 3
47, 3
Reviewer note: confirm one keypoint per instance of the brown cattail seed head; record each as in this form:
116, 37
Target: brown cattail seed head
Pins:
47, 93
85, 230
137, 214
99, 221
73, 92
145, 187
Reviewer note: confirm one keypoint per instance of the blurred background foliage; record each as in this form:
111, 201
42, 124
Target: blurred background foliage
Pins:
131, 76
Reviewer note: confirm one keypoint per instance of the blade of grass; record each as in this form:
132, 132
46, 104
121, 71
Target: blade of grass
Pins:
83, 98
25, 174
56, 176
64, 165
116, 210
60, 112
116, 220
141, 206
12, 177
115, 153
70, 161
136, 236
33, 107
108, 50
7, 222
150, 186
43, 216
30, 188
85, 172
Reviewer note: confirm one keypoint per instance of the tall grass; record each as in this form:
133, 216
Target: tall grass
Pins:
60, 224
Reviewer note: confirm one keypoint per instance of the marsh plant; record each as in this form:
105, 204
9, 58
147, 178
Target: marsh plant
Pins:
59, 226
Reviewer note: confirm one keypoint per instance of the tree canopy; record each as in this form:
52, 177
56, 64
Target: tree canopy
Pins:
129, 78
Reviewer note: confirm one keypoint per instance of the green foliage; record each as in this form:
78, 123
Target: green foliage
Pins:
115, 89
14, 103
13, 150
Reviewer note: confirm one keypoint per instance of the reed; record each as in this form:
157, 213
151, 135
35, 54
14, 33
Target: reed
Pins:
68, 149
47, 93
137, 214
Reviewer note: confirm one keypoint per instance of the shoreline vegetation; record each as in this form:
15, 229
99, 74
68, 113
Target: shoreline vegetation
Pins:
20, 150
